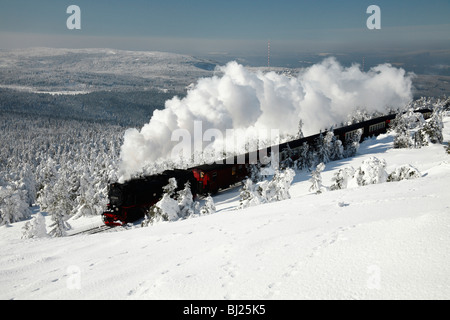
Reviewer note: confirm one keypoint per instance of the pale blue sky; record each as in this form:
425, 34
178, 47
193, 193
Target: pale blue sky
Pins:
202, 26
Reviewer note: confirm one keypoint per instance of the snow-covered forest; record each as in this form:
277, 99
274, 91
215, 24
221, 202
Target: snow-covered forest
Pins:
65, 166
62, 165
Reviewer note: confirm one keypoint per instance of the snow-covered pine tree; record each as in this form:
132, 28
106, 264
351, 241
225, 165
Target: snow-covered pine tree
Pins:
420, 139
209, 206
403, 124
305, 160
35, 228
433, 127
371, 171
286, 157
336, 149
352, 144
404, 172
86, 196
13, 205
27, 182
59, 225
56, 200
316, 179
186, 201
278, 188
47, 173
402, 138
170, 188
247, 195
255, 172
322, 149
166, 209
341, 178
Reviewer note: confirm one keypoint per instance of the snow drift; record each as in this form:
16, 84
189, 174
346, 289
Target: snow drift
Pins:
321, 95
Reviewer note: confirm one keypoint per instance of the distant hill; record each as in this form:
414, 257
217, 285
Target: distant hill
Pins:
96, 84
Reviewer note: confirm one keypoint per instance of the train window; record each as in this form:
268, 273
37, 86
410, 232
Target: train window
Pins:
376, 127
214, 176
349, 135
233, 171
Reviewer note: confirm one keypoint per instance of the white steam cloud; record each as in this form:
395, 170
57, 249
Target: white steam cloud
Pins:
321, 95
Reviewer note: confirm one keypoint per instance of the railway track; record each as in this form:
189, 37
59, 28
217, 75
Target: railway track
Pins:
97, 229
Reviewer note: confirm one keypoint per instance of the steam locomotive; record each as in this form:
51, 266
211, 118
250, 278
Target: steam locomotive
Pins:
130, 201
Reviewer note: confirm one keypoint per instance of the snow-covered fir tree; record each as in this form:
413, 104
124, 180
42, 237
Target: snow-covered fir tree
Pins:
371, 171
336, 149
432, 129
166, 209
413, 131
403, 172
286, 157
322, 149
420, 139
170, 188
316, 179
402, 125
59, 204
247, 195
265, 191
13, 205
255, 172
341, 178
352, 143
278, 188
306, 157
186, 201
35, 228
209, 207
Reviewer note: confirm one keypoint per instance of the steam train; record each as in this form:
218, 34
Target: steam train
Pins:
130, 201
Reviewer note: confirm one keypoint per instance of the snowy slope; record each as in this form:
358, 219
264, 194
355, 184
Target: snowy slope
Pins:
86, 70
384, 241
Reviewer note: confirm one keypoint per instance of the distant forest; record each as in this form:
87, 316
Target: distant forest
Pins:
128, 109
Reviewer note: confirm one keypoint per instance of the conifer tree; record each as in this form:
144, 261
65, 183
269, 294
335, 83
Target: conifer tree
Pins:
341, 178
209, 206
186, 201
13, 205
35, 228
433, 127
316, 179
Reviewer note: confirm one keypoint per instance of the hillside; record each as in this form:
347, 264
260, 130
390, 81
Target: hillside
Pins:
383, 241
117, 86
87, 70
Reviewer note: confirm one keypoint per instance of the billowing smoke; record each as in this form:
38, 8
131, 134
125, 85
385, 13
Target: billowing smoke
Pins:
321, 96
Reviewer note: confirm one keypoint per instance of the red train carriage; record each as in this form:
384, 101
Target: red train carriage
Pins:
211, 178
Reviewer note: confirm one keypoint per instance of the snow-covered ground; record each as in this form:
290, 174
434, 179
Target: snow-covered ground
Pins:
383, 241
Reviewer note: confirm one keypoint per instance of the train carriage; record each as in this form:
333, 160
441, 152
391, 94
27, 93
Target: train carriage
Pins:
131, 200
